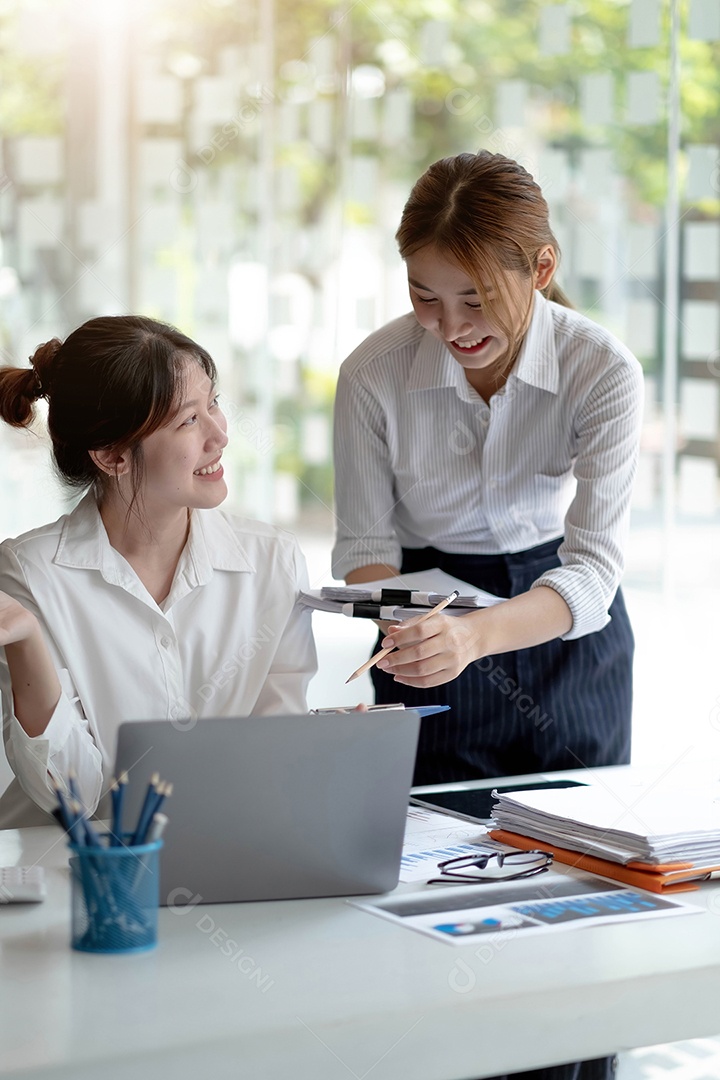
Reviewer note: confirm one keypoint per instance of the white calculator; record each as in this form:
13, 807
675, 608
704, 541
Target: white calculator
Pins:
22, 884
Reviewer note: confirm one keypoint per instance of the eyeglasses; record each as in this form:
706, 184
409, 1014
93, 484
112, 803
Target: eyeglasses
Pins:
493, 866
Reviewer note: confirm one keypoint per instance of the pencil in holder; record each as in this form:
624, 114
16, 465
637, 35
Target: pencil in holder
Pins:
114, 897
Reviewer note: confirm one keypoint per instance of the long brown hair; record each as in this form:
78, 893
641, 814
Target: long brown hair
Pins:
486, 213
109, 385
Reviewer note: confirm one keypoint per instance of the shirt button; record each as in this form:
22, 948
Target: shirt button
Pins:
484, 418
165, 642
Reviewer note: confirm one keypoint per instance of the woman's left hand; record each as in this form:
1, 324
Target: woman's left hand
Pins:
433, 651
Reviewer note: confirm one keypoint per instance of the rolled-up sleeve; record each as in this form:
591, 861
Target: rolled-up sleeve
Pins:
364, 485
597, 521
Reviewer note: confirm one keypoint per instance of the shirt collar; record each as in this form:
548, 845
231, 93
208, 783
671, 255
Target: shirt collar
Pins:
212, 545
434, 367
213, 537
83, 541
537, 363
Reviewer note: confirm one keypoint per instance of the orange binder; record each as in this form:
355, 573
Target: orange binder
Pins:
672, 877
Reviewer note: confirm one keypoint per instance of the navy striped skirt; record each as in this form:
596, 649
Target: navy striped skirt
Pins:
560, 705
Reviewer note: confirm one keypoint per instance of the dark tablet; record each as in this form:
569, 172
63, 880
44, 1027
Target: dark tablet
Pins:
476, 804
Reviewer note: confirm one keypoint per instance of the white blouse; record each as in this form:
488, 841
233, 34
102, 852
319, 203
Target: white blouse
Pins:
229, 640
421, 460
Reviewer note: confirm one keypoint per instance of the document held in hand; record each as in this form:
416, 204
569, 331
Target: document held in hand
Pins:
398, 598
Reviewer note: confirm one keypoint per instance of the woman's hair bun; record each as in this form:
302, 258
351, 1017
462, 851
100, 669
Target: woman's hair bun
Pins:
42, 361
21, 387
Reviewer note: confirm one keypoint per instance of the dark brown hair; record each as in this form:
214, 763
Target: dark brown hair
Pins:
111, 383
486, 213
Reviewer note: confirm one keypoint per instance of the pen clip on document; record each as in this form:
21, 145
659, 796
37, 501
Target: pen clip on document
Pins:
385, 652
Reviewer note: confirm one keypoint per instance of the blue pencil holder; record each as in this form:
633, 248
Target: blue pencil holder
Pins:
114, 897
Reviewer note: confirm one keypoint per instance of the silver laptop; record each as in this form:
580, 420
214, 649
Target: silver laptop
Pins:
275, 807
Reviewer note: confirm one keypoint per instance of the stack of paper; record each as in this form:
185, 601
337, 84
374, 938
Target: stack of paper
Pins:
667, 836
401, 597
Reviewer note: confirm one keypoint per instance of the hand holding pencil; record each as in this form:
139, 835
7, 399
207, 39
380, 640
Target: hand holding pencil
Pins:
411, 622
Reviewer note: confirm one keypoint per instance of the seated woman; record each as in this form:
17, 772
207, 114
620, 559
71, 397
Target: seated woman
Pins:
147, 600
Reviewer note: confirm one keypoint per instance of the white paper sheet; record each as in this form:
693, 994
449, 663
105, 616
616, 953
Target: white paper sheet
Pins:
431, 837
547, 903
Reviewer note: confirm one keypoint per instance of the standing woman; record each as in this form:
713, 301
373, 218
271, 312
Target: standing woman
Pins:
494, 434
146, 601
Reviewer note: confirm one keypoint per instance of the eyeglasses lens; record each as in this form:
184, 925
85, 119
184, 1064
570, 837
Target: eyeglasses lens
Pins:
497, 866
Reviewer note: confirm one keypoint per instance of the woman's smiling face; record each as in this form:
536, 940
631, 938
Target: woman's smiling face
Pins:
181, 460
446, 303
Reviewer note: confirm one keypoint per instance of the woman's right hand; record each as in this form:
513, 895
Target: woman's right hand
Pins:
16, 622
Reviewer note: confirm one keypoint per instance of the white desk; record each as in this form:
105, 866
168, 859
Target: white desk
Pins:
326, 992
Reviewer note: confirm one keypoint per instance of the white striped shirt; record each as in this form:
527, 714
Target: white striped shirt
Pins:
421, 459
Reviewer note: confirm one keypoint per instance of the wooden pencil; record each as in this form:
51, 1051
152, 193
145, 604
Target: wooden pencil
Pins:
384, 652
